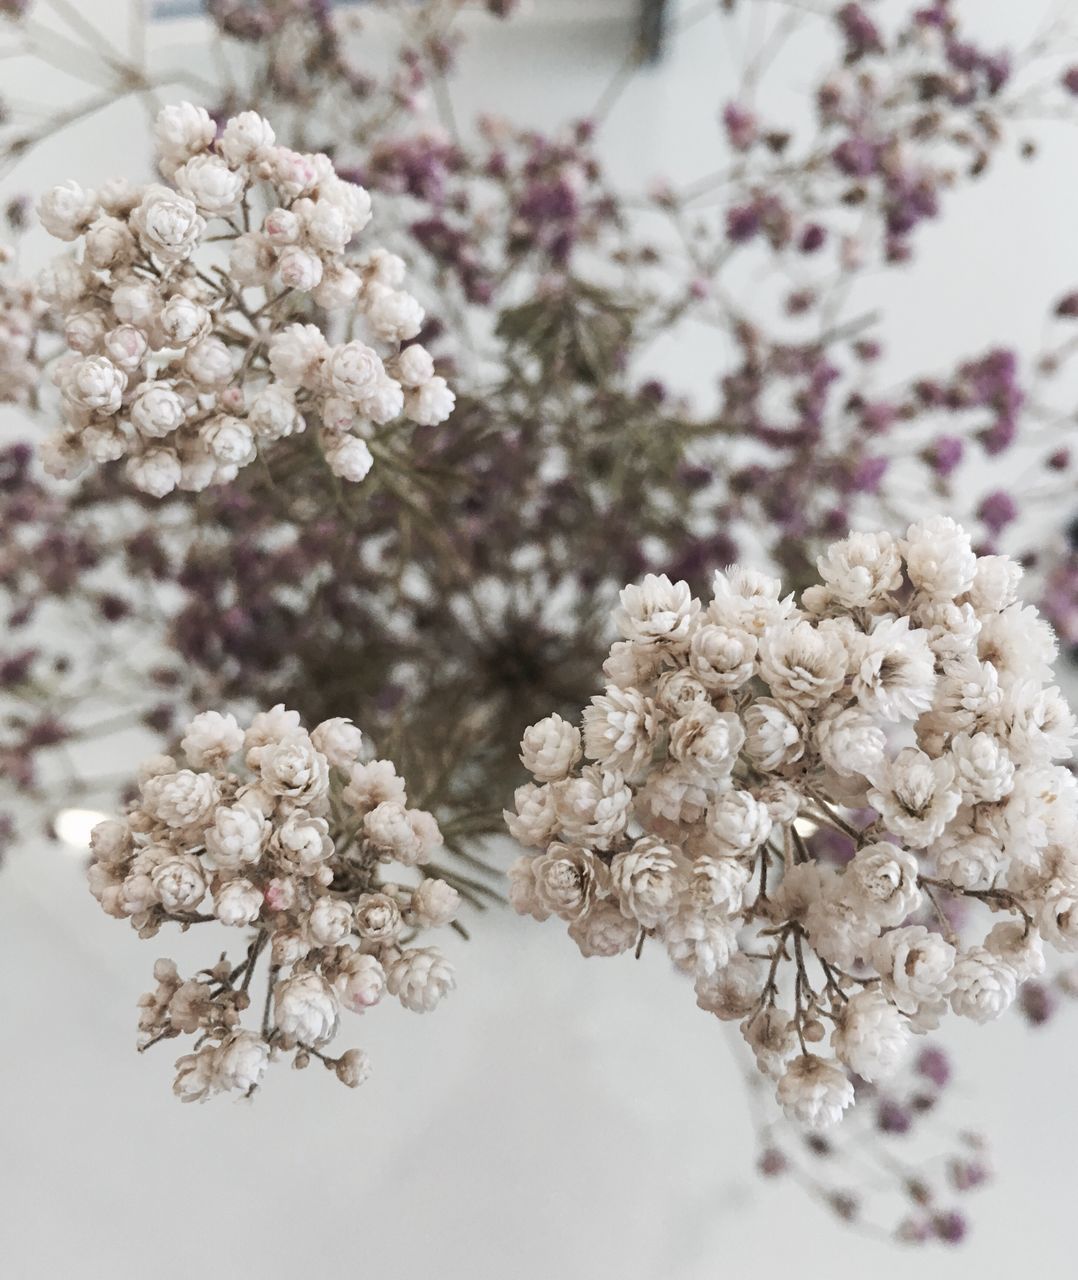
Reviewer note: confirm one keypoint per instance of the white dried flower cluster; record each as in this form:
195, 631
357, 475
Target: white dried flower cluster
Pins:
900, 710
283, 833
177, 311
21, 321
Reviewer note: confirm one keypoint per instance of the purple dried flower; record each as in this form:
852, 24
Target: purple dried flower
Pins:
868, 474
740, 126
772, 1163
997, 510
113, 607
47, 732
856, 157
877, 416
997, 71
933, 1063
742, 223
892, 1117
911, 199
861, 33
945, 453
950, 1227
812, 238
965, 1175
15, 670
1037, 1003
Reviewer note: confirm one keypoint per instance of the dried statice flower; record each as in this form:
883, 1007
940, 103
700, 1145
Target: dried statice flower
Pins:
901, 705
189, 363
285, 834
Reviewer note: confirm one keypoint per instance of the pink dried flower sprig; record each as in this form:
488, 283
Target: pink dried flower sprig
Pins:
292, 846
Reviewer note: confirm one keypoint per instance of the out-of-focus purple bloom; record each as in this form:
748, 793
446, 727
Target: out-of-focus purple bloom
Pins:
812, 238
856, 157
861, 33
740, 125
945, 453
997, 510
1037, 1002
950, 1227
934, 1065
892, 1117
868, 474
742, 223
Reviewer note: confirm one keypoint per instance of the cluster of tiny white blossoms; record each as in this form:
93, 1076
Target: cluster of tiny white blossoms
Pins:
175, 313
21, 316
290, 846
901, 710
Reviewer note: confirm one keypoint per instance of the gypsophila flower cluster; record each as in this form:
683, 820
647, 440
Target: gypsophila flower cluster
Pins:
289, 845
179, 312
902, 706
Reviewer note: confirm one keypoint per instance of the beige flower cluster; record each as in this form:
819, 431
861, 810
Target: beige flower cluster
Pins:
816, 807
290, 846
183, 312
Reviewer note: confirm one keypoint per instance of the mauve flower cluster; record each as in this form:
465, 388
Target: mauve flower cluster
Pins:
174, 365
914, 108
826, 449
911, 107
291, 845
535, 199
902, 702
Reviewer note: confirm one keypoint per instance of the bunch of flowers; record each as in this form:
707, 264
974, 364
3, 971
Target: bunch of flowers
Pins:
901, 704
187, 366
292, 845
565, 471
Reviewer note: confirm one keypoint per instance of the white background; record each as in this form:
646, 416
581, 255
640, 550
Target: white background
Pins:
555, 1119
